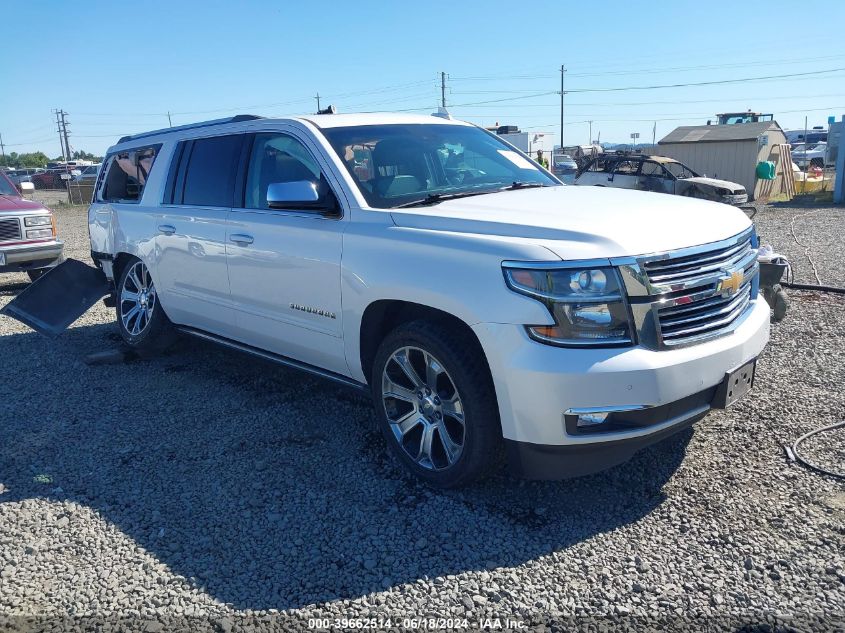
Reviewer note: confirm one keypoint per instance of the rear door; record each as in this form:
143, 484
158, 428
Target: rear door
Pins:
190, 239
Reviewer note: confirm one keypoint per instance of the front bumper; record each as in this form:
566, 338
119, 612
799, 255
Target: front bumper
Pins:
24, 257
537, 384
735, 199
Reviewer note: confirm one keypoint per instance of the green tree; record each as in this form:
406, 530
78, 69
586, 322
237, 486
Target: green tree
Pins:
83, 155
34, 159
10, 160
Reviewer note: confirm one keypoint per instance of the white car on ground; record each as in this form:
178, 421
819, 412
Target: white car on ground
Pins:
814, 155
487, 308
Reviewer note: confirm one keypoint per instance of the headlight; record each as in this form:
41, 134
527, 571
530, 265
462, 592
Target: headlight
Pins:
586, 303
38, 220
38, 233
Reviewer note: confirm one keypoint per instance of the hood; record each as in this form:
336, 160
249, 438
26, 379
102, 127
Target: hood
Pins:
584, 222
715, 182
14, 203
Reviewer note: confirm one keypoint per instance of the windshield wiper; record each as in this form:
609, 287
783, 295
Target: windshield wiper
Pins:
435, 198
519, 184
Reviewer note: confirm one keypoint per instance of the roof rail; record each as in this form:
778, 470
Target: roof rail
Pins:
191, 126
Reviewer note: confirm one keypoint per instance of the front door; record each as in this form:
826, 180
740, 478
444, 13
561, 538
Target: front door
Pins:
625, 174
284, 265
654, 178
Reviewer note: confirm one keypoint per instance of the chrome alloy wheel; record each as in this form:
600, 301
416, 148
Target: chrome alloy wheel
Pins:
423, 408
137, 299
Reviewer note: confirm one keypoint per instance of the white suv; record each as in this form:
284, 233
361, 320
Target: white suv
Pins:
489, 309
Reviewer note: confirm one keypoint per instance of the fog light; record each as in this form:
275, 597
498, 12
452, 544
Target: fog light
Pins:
591, 419
34, 233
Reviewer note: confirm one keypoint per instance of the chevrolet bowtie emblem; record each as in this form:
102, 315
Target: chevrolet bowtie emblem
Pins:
730, 285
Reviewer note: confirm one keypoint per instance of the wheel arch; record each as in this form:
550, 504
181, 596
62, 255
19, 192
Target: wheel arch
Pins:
382, 316
120, 261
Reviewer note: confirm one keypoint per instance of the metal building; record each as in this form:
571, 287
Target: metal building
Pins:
728, 152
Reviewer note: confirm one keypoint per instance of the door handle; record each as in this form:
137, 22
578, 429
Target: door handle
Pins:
167, 229
241, 239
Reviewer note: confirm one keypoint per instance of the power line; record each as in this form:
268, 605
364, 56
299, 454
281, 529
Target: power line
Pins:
651, 70
708, 83
675, 101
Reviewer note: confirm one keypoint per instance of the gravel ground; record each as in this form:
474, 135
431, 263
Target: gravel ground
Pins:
208, 489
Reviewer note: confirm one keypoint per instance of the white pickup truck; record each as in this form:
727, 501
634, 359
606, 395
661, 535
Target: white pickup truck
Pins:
490, 310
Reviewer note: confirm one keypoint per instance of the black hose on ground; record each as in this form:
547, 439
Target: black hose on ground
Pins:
807, 462
796, 286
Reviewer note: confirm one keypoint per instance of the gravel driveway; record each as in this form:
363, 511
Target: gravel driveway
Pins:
207, 488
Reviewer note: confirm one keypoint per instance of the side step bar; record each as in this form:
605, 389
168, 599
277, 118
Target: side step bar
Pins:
276, 358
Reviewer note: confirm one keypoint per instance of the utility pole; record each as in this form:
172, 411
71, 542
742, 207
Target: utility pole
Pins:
654, 134
169, 122
443, 90
64, 131
2, 149
590, 140
562, 94
318, 102
59, 130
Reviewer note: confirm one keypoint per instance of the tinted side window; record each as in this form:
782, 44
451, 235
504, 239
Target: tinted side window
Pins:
210, 172
276, 158
127, 174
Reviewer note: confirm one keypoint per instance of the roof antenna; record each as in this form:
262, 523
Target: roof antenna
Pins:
443, 113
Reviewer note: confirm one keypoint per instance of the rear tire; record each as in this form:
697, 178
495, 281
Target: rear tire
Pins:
436, 405
36, 274
141, 320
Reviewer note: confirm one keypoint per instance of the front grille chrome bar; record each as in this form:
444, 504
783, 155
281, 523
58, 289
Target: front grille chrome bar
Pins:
691, 295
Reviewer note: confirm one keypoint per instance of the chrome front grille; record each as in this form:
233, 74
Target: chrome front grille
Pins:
10, 230
682, 270
692, 295
701, 318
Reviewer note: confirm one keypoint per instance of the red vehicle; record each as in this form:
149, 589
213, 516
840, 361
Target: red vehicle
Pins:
52, 178
28, 241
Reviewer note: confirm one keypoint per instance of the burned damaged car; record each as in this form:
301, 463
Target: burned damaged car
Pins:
658, 174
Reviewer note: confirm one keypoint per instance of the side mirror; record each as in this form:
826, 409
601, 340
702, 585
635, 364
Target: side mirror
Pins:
27, 187
301, 194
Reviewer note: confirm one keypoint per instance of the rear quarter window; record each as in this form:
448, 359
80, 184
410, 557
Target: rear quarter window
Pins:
125, 174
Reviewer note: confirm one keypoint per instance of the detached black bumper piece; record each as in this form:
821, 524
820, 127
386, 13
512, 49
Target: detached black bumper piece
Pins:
59, 298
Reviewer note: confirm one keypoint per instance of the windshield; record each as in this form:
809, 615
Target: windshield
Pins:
679, 170
399, 164
6, 187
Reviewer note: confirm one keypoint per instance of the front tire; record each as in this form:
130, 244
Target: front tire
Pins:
436, 405
141, 320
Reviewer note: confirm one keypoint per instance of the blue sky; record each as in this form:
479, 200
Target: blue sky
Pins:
119, 67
